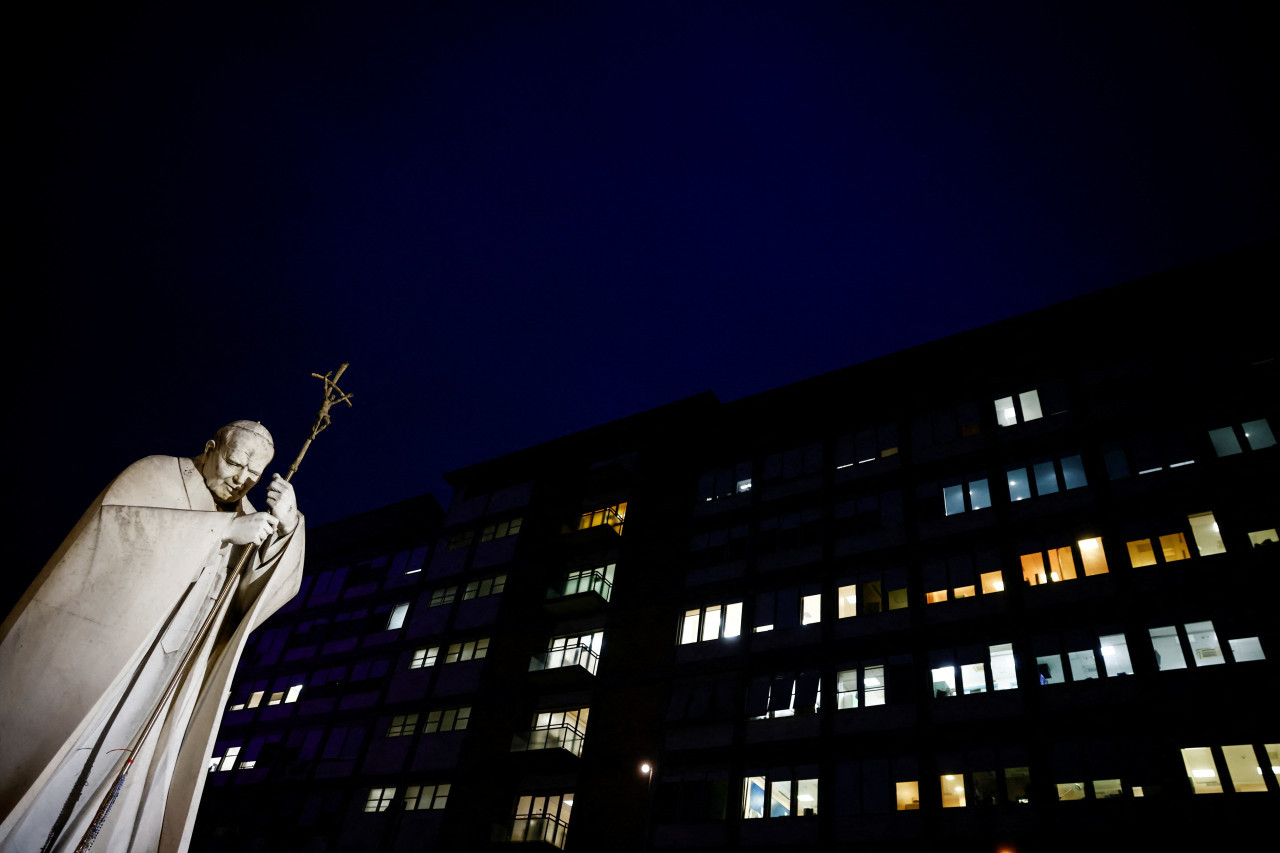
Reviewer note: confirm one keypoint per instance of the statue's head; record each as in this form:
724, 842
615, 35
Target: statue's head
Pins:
234, 459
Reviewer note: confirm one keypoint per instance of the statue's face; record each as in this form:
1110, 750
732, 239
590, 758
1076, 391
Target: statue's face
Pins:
231, 468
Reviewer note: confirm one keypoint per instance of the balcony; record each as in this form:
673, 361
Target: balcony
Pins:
581, 592
545, 829
577, 656
553, 737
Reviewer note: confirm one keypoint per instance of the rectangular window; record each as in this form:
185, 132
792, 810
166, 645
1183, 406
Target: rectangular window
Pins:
1004, 670
873, 684
783, 695
952, 785
725, 482
1243, 768
424, 657
1201, 771
447, 720
1205, 530
795, 462
713, 622
1028, 402
613, 516
1115, 654
576, 650
907, 795
598, 580
419, 797
1246, 649
810, 609
847, 601
973, 678
785, 797
379, 799
1205, 649
1093, 559
468, 650
488, 586
396, 620
1168, 651
1258, 434
500, 530
975, 490
403, 725
555, 730
443, 596
543, 818
1224, 441
461, 539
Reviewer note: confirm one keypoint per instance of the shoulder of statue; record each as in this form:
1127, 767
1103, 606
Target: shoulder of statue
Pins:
156, 481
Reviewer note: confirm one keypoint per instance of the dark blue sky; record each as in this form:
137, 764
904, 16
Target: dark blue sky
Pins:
521, 219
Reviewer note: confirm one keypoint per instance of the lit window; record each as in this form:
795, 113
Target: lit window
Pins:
1205, 650
1262, 537
379, 799
1258, 434
810, 609
1084, 665
255, 699
944, 681
786, 797
1205, 530
500, 530
725, 482
785, 695
1106, 789
1224, 441
294, 692
598, 580
1164, 642
482, 588
973, 678
396, 619
1068, 791
873, 685
1028, 401
953, 497
1243, 768
1004, 671
468, 650
1016, 782
543, 818
1201, 771
443, 596
992, 582
276, 698
447, 720
229, 759
418, 797
577, 650
1093, 559
424, 657
403, 725
554, 730
1246, 649
847, 601
907, 795
613, 516
952, 785
1115, 654
713, 622
1059, 566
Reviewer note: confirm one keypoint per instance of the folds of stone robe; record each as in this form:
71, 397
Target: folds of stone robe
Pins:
90, 647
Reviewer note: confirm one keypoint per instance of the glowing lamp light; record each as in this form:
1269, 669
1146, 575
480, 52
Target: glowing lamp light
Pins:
805, 798
1088, 544
1203, 773
645, 768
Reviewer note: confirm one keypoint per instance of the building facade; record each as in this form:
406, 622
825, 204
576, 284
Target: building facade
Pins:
1011, 590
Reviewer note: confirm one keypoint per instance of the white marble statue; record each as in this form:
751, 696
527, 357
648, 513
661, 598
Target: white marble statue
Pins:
87, 652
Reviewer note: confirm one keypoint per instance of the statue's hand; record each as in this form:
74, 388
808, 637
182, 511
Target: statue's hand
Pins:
255, 528
283, 503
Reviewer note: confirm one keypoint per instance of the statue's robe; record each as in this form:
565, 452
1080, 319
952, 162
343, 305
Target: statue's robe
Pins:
93, 642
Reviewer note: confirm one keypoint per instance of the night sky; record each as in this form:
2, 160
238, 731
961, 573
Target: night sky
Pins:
520, 219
